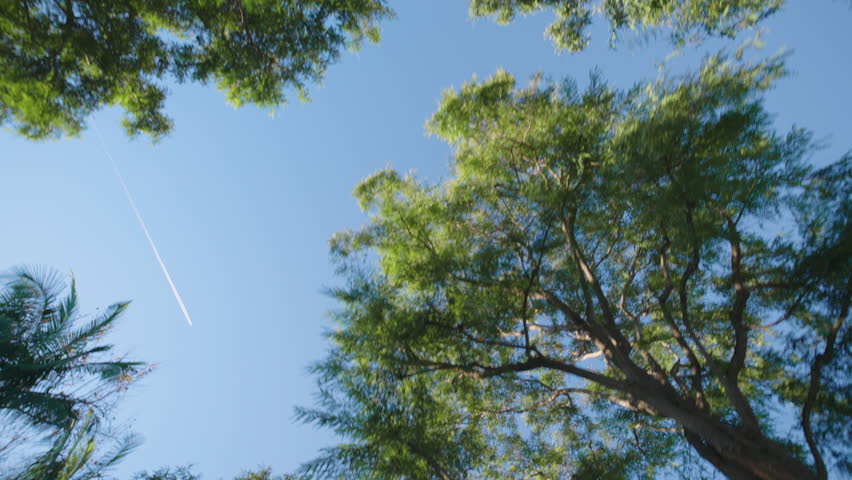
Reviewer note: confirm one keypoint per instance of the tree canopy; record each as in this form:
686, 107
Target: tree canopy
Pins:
685, 20
57, 376
612, 284
60, 60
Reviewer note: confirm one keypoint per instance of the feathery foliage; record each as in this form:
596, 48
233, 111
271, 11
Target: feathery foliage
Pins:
57, 378
73, 455
186, 473
62, 60
685, 20
53, 367
611, 285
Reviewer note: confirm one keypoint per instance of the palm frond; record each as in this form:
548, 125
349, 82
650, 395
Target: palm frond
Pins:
97, 327
44, 351
124, 447
41, 408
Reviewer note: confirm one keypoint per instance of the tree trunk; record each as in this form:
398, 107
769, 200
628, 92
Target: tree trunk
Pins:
737, 451
742, 455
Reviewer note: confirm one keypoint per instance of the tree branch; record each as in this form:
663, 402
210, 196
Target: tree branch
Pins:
820, 361
737, 360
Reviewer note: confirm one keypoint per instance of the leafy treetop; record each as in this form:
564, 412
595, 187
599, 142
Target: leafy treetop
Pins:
610, 285
60, 60
57, 376
687, 19
53, 369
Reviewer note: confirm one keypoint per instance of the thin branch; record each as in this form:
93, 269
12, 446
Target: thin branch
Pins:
737, 360
787, 314
820, 361
480, 371
695, 365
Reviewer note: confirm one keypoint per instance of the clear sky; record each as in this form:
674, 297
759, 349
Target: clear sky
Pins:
242, 204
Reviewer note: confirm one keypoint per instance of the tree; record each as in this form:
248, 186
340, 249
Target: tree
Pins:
60, 60
167, 473
51, 370
610, 285
687, 20
73, 455
185, 473
56, 374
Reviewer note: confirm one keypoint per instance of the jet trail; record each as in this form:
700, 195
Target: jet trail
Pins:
142, 224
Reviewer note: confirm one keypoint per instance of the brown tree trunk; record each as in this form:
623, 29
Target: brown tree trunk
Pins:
737, 451
748, 456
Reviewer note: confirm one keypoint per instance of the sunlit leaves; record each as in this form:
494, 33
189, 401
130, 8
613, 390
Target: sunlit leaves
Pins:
477, 311
683, 20
52, 368
61, 61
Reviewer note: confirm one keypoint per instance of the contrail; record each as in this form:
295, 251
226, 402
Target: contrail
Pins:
142, 223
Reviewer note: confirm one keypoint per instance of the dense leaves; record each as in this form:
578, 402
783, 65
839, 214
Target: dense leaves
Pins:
684, 20
610, 285
62, 60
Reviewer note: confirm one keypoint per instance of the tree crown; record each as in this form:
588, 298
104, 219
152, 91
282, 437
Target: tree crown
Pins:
685, 20
593, 290
60, 61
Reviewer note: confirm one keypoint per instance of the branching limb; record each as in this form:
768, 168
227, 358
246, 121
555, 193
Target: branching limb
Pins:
695, 365
737, 360
820, 361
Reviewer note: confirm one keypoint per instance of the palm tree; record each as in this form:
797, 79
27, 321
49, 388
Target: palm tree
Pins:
51, 369
73, 454
55, 376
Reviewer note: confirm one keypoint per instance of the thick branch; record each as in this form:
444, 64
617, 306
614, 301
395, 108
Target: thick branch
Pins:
709, 454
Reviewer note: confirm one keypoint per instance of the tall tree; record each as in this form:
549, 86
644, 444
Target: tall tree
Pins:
684, 20
74, 455
57, 376
60, 60
610, 285
53, 370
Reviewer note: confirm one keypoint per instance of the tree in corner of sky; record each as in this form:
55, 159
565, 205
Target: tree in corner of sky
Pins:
57, 381
60, 60
688, 20
610, 285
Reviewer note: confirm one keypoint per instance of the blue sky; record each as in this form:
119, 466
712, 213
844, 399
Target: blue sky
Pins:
242, 204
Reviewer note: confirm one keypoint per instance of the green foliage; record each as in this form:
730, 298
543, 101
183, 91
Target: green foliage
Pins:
167, 473
52, 369
403, 431
73, 455
55, 373
264, 473
186, 473
687, 20
592, 294
62, 60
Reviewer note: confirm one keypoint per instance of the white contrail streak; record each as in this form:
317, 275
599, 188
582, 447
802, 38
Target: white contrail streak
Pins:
142, 224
